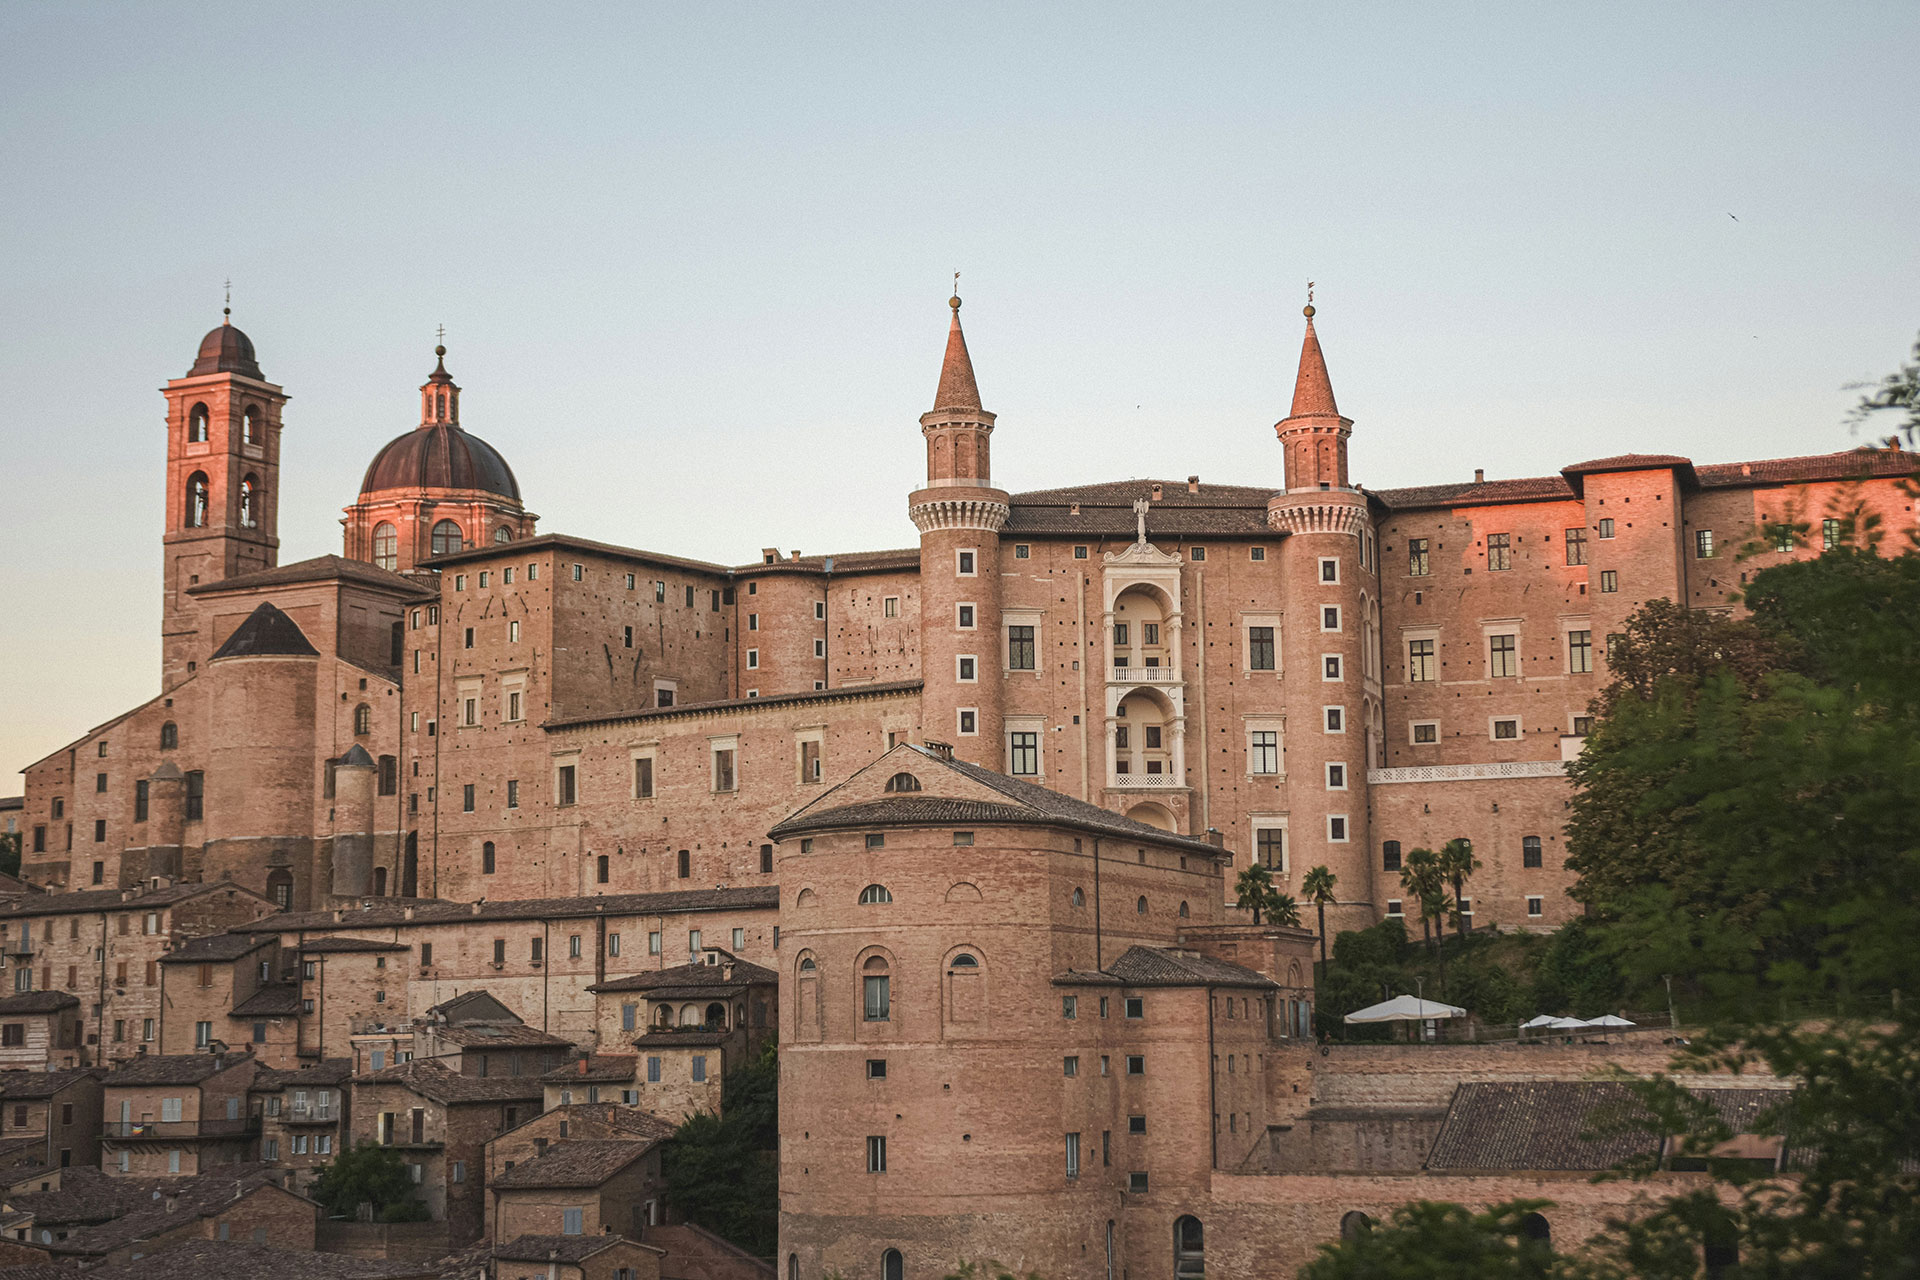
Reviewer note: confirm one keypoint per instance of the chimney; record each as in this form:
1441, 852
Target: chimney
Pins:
583, 1066
1479, 475
1193, 484
1216, 838
726, 971
939, 750
339, 916
1156, 491
408, 912
1074, 510
796, 555
476, 908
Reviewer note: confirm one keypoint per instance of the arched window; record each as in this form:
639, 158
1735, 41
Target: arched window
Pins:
1141, 906
197, 500
966, 961
876, 990
1189, 1247
1079, 897
280, 888
903, 782
488, 858
1537, 1234
197, 425
386, 546
1354, 1224
169, 736
503, 534
893, 1266
793, 1266
874, 894
716, 1016
663, 1015
1184, 913
363, 719
250, 425
690, 1016
446, 538
807, 965
379, 882
249, 503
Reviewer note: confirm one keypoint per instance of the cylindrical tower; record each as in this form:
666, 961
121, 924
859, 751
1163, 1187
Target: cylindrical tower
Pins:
960, 514
353, 784
1329, 643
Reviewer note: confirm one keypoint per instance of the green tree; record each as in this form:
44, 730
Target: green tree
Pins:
721, 1169
1283, 908
1457, 865
10, 853
1430, 1240
1254, 891
1318, 885
369, 1174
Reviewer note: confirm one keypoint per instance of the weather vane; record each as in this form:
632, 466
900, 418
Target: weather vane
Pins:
1309, 293
227, 307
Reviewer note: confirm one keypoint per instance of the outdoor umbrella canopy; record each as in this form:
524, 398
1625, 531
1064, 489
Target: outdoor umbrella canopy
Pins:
1542, 1020
1610, 1020
1568, 1024
1406, 1009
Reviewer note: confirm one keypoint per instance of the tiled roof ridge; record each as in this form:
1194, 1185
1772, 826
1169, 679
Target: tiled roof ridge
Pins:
393, 913
681, 709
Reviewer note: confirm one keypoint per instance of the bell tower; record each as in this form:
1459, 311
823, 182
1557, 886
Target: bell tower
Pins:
223, 486
960, 514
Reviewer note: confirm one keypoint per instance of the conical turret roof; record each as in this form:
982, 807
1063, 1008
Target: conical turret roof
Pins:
957, 387
1312, 389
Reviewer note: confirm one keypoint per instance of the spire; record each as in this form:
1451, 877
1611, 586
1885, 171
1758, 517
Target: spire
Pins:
957, 388
1312, 389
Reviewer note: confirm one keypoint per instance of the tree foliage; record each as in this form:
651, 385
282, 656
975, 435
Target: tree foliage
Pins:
369, 1174
1318, 886
1254, 890
1432, 1240
1749, 791
10, 852
721, 1170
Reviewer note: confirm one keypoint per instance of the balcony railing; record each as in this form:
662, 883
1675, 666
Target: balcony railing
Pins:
166, 1130
1145, 675
309, 1115
1146, 782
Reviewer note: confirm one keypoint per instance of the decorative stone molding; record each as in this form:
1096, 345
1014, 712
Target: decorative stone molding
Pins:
1468, 772
959, 513
1318, 512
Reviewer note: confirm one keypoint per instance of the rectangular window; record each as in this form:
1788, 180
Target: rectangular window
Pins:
196, 795
653, 1070
1582, 726
963, 563
1270, 847
753, 622
1330, 666
1606, 528
1533, 906
1070, 1066
466, 798
1336, 777
1329, 569
1073, 1155
1137, 1183
140, 800
570, 1222
1263, 751
1021, 551
890, 607
1020, 655
1336, 718
699, 1068
626, 637
1420, 663
1121, 635
876, 1155
964, 618
513, 793
1579, 651
1499, 551
693, 943
878, 998
1576, 543
1070, 1007
653, 942
1609, 581
1703, 544
1394, 909
1329, 617
969, 719
1418, 565
1337, 828
739, 939
723, 776
686, 863
964, 666
613, 944
1257, 553
1260, 649
1389, 855
1503, 657
643, 778
753, 659
1136, 1007
689, 596
1080, 552
1506, 730
1023, 754
468, 639
819, 649
1829, 534
876, 1068
566, 790
1136, 1064
810, 761
499, 950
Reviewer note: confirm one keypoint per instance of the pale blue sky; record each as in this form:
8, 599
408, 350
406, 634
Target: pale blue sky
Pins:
693, 259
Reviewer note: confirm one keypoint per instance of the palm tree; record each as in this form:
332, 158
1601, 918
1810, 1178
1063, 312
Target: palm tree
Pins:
1283, 909
1254, 890
1424, 881
1457, 863
1318, 885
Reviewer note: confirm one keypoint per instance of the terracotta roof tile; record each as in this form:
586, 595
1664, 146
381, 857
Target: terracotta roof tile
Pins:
682, 1038
22, 1085
216, 948
37, 1002
1555, 1125
331, 1072
229, 1260
1848, 464
601, 1068
326, 568
176, 1068
90, 901
431, 1080
475, 1035
957, 388
1165, 967
586, 1162
387, 913
1106, 511
572, 1249
1312, 388
272, 1000
685, 709
693, 975
1475, 494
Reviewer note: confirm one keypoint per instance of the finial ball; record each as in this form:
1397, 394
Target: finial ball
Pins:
440, 351
954, 302
1307, 311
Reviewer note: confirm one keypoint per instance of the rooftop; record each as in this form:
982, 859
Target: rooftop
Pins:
682, 1038
37, 1002
22, 1085
267, 633
1165, 967
331, 1072
730, 974
177, 1068
573, 1249
587, 1162
490, 1035
599, 1068
431, 1080
686, 709
229, 1260
166, 1208
386, 912
216, 948
90, 901
272, 1000
328, 568
1558, 1125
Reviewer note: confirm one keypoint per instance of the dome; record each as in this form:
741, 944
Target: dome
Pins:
226, 350
440, 456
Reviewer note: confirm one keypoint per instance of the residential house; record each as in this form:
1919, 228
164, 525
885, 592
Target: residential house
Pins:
49, 1120
202, 982
595, 1077
613, 1182
304, 1117
576, 1257
41, 1031
179, 1114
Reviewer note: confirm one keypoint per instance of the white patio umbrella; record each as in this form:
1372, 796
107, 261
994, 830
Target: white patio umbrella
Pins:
1406, 1009
1610, 1020
1538, 1021
1568, 1024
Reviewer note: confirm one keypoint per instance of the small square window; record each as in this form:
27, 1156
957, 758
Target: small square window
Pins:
1079, 553
1426, 732
962, 838
1137, 1183
1329, 569
1070, 1007
1136, 1064
1136, 1007
1070, 1065
964, 620
1021, 551
1393, 909
1337, 828
1329, 617
964, 563
1336, 777
876, 1068
1196, 554
1336, 719
1534, 906
1136, 1125
969, 722
1257, 553
876, 840
1609, 581
1330, 666
1506, 730
1606, 527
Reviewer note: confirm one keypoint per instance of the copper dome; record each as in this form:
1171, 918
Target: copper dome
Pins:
440, 456
226, 350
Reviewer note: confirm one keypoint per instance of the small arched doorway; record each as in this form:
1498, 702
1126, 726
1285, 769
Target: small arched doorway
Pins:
379, 882
1189, 1247
1536, 1234
892, 1265
1354, 1224
280, 888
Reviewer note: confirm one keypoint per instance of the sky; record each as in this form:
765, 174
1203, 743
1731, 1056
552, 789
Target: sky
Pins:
693, 260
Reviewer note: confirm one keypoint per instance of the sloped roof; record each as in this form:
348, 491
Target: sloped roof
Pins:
22, 1085
431, 1080
601, 1068
682, 1038
1312, 388
1487, 493
388, 912
1848, 464
231, 1260
88, 1195
331, 1072
495, 1035
1025, 803
342, 945
327, 568
38, 1002
89, 901
685, 709
695, 977
272, 1000
1554, 1125
572, 1249
957, 389
1106, 511
267, 632
215, 948
473, 1006
843, 563
1165, 967
585, 1162
173, 1068
198, 1196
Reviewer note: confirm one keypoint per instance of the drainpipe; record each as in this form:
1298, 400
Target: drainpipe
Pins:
826, 624
1213, 1081
1097, 962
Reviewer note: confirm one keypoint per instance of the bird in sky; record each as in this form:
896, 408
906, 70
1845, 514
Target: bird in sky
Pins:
1731, 216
